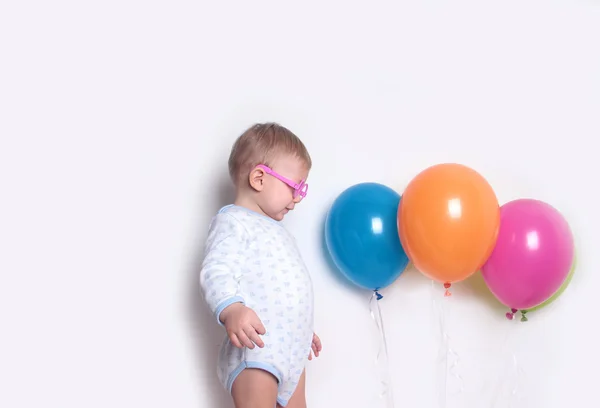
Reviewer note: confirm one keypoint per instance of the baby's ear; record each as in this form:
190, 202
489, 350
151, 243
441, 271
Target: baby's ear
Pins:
257, 178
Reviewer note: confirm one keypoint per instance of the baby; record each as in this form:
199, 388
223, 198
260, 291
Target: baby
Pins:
253, 277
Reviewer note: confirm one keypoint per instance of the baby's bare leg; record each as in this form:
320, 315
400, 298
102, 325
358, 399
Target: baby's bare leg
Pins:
298, 400
254, 388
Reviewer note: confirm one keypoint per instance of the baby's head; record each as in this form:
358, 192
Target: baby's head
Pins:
269, 166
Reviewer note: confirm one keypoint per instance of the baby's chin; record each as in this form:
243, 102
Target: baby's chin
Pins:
280, 215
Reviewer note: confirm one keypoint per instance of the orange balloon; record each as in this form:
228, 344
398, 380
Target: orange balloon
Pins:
448, 221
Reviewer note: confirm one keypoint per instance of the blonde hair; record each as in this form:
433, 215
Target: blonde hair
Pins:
259, 144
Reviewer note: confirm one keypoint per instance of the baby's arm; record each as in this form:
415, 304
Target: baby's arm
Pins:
225, 256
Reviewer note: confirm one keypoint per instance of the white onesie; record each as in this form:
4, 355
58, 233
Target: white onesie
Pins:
253, 259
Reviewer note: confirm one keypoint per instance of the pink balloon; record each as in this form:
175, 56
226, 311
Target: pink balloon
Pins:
533, 254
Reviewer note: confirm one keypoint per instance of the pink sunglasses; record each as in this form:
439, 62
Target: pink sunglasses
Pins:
300, 189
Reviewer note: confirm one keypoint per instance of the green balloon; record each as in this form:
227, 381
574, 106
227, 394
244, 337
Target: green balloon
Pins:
558, 292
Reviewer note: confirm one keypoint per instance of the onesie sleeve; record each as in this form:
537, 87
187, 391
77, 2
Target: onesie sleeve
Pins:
224, 257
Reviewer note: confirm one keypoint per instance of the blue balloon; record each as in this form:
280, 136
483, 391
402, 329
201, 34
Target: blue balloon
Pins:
361, 234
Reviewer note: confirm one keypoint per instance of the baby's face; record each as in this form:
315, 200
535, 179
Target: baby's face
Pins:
277, 197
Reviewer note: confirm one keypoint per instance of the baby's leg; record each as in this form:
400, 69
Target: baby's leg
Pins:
254, 388
298, 399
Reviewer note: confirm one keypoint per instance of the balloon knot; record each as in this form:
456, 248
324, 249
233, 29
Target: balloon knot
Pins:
523, 317
511, 315
379, 295
447, 287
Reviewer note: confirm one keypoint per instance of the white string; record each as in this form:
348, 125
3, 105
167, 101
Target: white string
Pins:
448, 358
502, 372
517, 375
382, 360
507, 391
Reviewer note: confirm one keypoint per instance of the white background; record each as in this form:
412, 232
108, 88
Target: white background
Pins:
116, 120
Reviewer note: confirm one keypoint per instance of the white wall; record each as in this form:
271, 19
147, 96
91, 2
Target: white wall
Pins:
116, 119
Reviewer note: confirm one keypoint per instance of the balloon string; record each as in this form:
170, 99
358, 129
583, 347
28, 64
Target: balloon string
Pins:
448, 358
499, 385
518, 374
382, 360
443, 352
511, 374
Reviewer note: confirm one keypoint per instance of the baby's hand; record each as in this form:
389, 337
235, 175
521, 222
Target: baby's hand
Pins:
316, 347
243, 326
